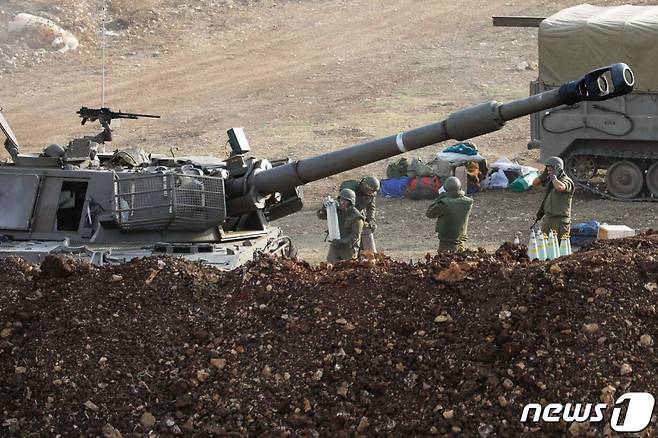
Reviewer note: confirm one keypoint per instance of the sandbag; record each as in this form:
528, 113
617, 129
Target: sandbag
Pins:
441, 168
422, 187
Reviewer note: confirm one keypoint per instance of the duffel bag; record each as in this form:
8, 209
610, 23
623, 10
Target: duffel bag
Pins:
422, 187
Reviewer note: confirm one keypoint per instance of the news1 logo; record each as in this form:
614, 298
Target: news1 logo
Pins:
637, 418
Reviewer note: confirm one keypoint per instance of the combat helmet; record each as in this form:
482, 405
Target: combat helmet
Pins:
370, 183
131, 157
556, 163
348, 194
452, 184
54, 151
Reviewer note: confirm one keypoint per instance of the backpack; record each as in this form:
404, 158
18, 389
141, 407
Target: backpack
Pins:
422, 187
441, 168
418, 168
397, 169
523, 183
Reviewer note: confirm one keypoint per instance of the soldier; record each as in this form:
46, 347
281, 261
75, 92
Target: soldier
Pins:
451, 210
555, 208
366, 191
350, 223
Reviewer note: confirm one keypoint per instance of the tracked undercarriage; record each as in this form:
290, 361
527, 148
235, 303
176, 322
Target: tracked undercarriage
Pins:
629, 176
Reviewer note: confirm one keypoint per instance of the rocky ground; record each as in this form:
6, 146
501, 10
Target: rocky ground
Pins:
451, 345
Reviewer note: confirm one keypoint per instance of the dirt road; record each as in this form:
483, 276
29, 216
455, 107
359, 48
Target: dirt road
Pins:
304, 78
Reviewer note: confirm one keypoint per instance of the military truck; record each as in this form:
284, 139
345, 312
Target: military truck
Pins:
610, 147
113, 207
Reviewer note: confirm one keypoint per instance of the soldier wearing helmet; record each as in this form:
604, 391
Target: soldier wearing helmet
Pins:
555, 208
366, 192
350, 223
451, 211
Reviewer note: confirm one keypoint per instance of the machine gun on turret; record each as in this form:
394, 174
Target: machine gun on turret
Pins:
105, 117
78, 149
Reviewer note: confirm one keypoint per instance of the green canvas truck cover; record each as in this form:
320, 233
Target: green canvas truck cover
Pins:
578, 39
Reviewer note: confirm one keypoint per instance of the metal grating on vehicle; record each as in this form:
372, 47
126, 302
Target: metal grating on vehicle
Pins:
169, 202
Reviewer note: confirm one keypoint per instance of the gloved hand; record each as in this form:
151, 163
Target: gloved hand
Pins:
553, 177
372, 225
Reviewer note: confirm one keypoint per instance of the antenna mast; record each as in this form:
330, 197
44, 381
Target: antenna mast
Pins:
103, 13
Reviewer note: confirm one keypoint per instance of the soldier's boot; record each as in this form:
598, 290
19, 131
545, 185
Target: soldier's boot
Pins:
452, 247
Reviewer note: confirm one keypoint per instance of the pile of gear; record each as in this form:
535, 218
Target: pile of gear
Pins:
355, 212
415, 179
507, 174
457, 344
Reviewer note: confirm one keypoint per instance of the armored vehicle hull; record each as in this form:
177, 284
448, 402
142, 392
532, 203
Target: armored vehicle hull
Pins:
610, 147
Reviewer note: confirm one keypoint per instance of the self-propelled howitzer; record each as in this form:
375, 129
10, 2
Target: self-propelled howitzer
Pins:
127, 204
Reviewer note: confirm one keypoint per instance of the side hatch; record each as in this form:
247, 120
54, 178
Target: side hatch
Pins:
18, 194
71, 205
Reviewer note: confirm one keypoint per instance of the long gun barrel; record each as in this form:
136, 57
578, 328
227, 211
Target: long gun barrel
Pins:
461, 125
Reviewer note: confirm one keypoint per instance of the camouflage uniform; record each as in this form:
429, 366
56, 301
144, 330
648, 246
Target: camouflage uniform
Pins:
365, 203
556, 206
451, 210
350, 223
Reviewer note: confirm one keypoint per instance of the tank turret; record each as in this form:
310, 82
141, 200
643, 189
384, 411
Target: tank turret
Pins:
126, 204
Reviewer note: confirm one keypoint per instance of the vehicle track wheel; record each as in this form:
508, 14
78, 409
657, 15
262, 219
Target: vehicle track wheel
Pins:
652, 179
292, 250
625, 179
581, 168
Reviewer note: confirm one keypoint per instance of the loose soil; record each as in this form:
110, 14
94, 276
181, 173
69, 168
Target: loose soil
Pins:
449, 345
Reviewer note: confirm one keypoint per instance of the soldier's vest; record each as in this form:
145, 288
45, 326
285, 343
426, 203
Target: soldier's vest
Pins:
452, 227
559, 203
346, 219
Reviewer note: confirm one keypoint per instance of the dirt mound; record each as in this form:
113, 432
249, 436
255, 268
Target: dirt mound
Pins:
455, 344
